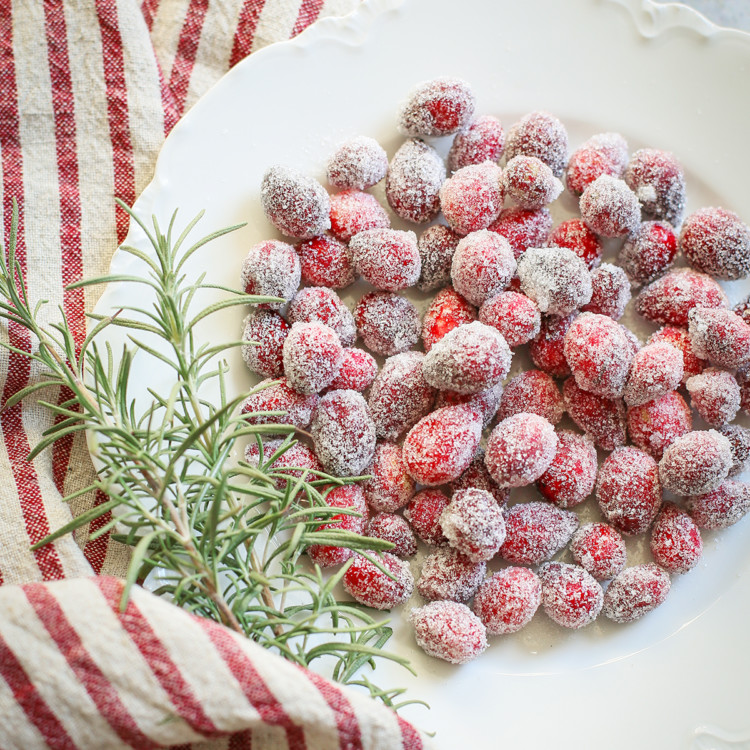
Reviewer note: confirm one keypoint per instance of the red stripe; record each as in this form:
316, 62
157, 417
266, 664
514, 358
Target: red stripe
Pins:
149, 9
308, 13
187, 49
97, 685
155, 653
241, 741
117, 110
245, 33
409, 736
96, 550
16, 441
28, 698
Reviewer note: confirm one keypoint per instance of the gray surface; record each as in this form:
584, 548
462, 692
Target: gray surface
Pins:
732, 13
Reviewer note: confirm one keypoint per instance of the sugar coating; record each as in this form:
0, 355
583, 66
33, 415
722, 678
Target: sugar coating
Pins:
599, 354
358, 370
610, 208
449, 631
485, 402
439, 448
267, 331
400, 396
602, 419
715, 395
649, 252
743, 310
394, 529
571, 596
628, 490
387, 323
468, 359
390, 487
523, 228
720, 336
655, 425
571, 476
482, 140
657, 178
349, 497
474, 524
717, 242
472, 198
353, 211
270, 395
585, 165
297, 205
449, 574
447, 311
670, 298
721, 507
290, 465
679, 338
413, 181
507, 600
613, 145
324, 261
514, 315
387, 258
483, 265
657, 369
542, 135
372, 587
530, 183
635, 592
676, 543
358, 163
576, 236
323, 305
423, 513
436, 246
696, 463
739, 439
271, 269
547, 349
599, 549
440, 106
535, 392
555, 278
312, 356
477, 477
610, 291
536, 531
343, 433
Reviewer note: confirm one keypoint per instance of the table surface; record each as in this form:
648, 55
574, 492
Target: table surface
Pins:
733, 13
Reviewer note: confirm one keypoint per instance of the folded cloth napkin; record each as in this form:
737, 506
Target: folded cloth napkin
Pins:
88, 91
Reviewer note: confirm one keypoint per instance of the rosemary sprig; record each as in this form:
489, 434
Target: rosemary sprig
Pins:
226, 542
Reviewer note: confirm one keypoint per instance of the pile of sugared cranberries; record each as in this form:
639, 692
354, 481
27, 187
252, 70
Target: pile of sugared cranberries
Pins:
431, 395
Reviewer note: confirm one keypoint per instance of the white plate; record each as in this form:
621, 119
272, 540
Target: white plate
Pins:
664, 77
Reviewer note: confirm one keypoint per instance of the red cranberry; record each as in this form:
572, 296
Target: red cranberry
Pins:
610, 291
508, 600
530, 183
353, 211
571, 476
297, 205
585, 165
696, 462
325, 261
271, 269
536, 531
676, 543
357, 164
721, 507
483, 266
547, 349
649, 252
318, 304
449, 631
349, 497
278, 396
535, 392
370, 586
635, 592
542, 135
717, 242
265, 332
523, 228
679, 338
602, 419
656, 177
555, 278
358, 370
739, 439
414, 177
387, 258
574, 235
312, 356
440, 106
715, 395
514, 315
387, 323
477, 477
447, 311
720, 336
483, 140
436, 246
390, 487
474, 524
599, 549
472, 198
394, 529
485, 403
423, 513
655, 425
657, 369
571, 597
449, 574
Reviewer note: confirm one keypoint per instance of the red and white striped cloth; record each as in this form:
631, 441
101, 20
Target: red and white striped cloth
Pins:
88, 91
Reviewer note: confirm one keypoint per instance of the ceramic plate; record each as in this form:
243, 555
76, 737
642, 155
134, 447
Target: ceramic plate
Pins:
663, 77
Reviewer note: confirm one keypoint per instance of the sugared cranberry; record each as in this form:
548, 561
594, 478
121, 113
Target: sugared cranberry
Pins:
449, 574
602, 419
649, 252
353, 211
535, 392
522, 228
447, 311
312, 356
343, 433
370, 586
474, 524
477, 477
349, 497
599, 549
358, 370
542, 135
743, 310
265, 332
485, 402
472, 198
715, 395
508, 600
514, 315
295, 461
722, 507
357, 164
574, 235
720, 336
739, 439
387, 323
439, 448
585, 165
297, 205
483, 140
394, 529
389, 487
717, 242
271, 269
628, 490
436, 246
655, 425
483, 265
571, 596
656, 177
676, 543
423, 513
413, 181
679, 338
278, 396
610, 208
610, 291
322, 305
530, 183
555, 278
657, 369
440, 106
547, 349
324, 261
635, 592
696, 462
449, 631
387, 258
536, 531
571, 476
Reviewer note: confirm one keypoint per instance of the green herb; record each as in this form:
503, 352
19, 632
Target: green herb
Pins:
228, 544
